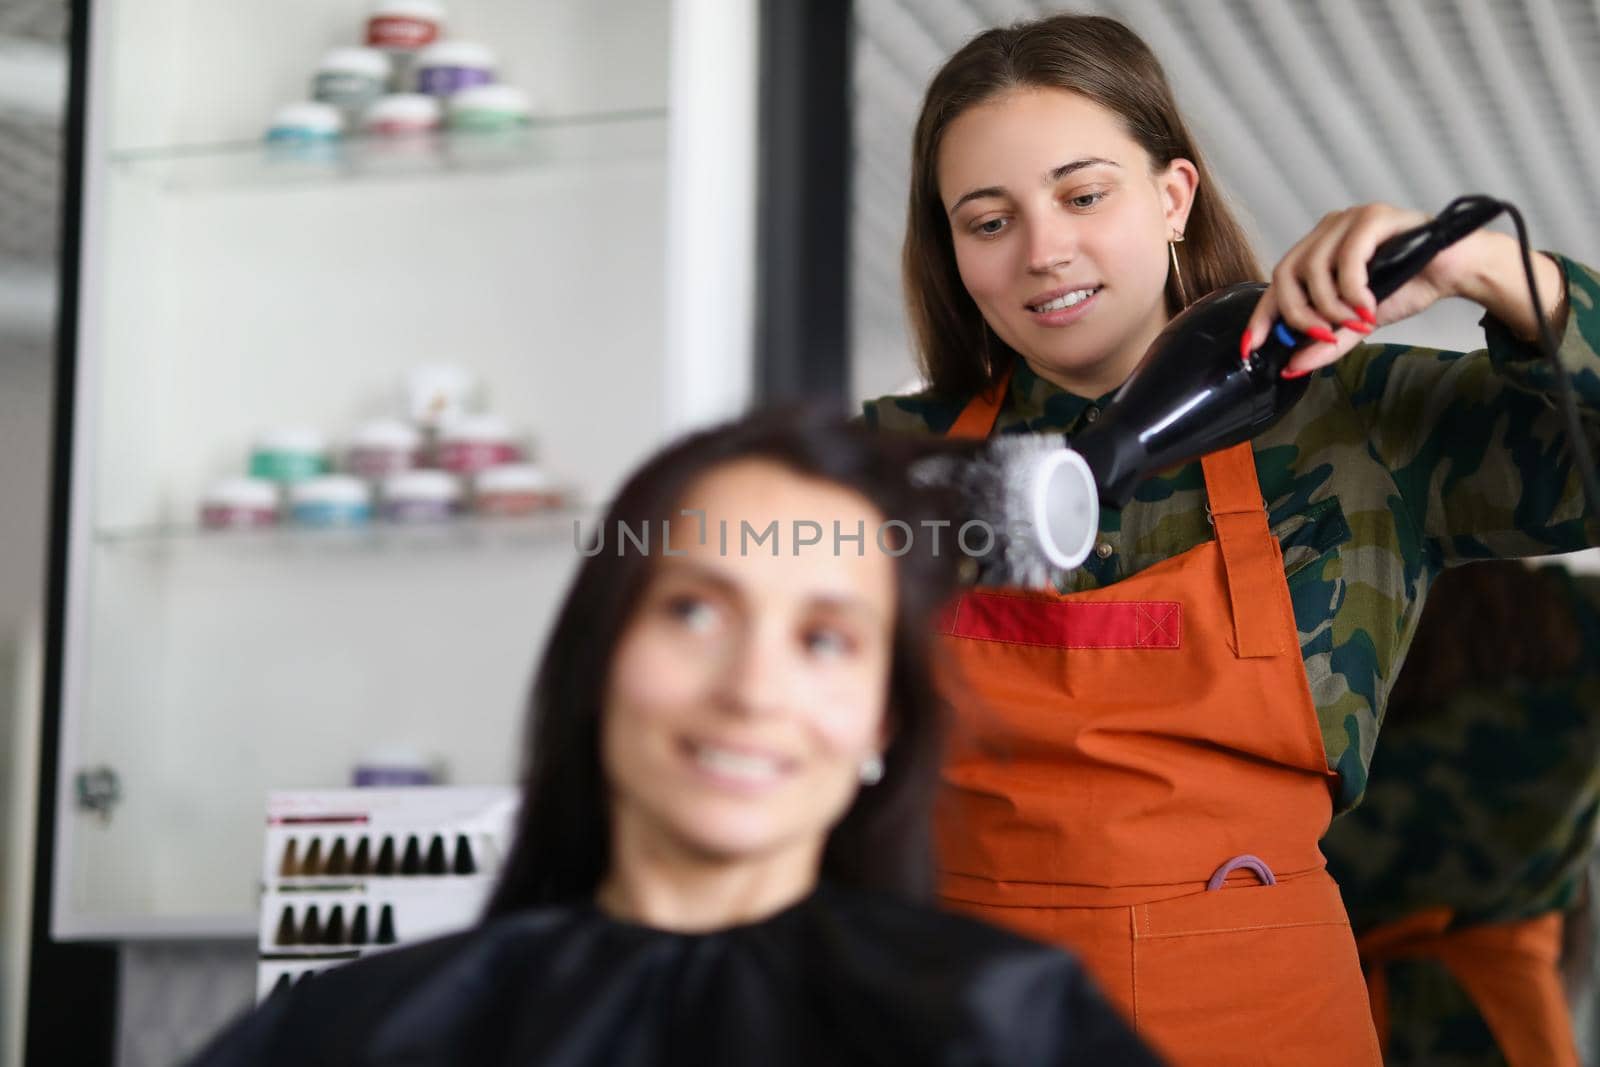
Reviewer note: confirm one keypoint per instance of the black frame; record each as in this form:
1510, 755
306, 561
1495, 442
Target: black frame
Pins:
72, 987
803, 277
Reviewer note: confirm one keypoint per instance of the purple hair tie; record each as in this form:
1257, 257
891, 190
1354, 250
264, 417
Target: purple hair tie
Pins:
1248, 862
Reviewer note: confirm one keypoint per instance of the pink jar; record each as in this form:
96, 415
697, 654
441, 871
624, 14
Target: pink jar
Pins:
476, 442
403, 115
383, 447
240, 504
514, 489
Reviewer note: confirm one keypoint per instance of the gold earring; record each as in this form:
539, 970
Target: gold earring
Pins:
989, 368
1177, 274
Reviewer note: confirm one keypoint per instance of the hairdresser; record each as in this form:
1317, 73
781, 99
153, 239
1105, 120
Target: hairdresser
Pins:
1145, 761
723, 855
1471, 845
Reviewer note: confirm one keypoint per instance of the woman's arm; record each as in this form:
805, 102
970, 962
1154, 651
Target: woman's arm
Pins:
1475, 441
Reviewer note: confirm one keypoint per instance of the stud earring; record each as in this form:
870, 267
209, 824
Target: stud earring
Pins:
871, 770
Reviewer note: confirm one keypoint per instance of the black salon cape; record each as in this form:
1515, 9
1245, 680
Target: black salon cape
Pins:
840, 978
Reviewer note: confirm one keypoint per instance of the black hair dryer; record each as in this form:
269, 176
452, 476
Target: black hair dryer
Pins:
1191, 394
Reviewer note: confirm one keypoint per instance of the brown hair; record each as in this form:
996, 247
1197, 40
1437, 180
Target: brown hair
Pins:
1484, 623
1095, 57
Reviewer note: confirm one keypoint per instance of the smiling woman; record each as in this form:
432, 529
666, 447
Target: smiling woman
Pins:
1031, 277
746, 697
724, 840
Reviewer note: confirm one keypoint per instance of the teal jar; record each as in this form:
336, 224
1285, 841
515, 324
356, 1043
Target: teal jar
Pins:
289, 454
330, 501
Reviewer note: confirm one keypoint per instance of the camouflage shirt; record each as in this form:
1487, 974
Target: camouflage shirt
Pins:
1397, 462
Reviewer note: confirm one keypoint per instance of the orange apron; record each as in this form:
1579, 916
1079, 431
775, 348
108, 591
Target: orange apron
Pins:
1510, 971
1118, 751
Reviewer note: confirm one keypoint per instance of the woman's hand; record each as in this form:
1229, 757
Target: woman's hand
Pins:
1320, 286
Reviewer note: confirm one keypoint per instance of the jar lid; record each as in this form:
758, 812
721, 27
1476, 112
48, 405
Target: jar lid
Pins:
404, 107
330, 489
291, 439
421, 485
456, 54
418, 9
499, 98
242, 493
513, 478
310, 116
387, 433
488, 429
368, 61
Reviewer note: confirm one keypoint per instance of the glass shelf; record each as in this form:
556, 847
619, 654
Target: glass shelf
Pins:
544, 530
548, 143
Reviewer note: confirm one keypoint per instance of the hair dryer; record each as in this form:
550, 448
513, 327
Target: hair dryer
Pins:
1189, 396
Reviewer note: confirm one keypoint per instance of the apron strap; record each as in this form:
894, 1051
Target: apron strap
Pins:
1250, 553
1508, 970
977, 418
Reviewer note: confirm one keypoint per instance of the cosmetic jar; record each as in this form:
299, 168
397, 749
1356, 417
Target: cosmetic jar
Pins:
474, 442
490, 108
383, 447
309, 122
391, 767
421, 496
329, 501
239, 504
350, 79
513, 489
289, 454
448, 67
402, 115
400, 28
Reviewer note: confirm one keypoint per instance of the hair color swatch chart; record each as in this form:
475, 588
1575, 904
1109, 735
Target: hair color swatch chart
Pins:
346, 872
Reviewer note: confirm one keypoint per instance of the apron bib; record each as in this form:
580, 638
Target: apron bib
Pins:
1136, 773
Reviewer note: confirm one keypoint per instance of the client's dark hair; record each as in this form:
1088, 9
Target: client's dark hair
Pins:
562, 848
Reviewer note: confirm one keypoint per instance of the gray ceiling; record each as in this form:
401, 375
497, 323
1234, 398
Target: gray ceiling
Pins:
1303, 106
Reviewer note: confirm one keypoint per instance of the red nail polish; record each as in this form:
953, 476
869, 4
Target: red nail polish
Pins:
1359, 327
1289, 373
1244, 347
1323, 334
1368, 316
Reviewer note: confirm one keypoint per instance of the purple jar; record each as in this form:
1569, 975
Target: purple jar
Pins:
446, 67
392, 767
421, 496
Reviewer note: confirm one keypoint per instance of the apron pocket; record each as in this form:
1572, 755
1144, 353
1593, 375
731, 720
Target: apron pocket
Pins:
1252, 975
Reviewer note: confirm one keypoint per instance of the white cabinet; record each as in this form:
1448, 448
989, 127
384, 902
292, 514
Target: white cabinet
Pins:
594, 275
